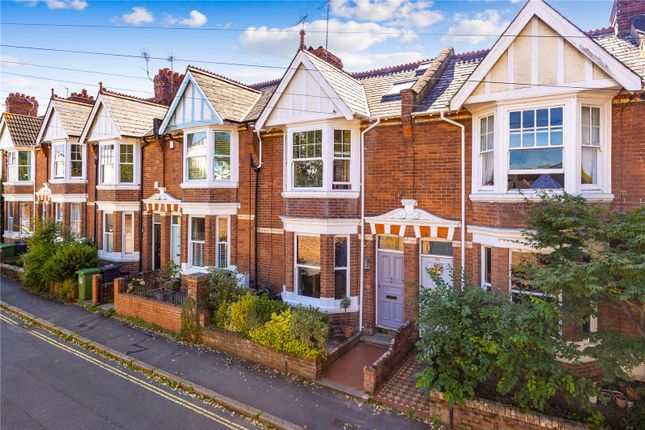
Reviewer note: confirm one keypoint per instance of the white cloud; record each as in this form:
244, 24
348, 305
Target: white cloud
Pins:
66, 4
196, 19
344, 37
404, 13
139, 15
473, 29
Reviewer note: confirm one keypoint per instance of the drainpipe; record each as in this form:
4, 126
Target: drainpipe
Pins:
140, 207
463, 191
96, 182
255, 217
362, 277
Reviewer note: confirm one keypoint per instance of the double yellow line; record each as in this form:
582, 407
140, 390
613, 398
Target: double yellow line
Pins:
140, 382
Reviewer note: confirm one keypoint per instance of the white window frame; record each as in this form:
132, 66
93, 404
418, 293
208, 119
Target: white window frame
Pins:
75, 224
486, 286
227, 244
10, 216
123, 234
210, 181
326, 190
296, 289
67, 162
341, 158
120, 163
13, 166
572, 131
25, 222
56, 147
106, 234
191, 242
58, 212
346, 267
103, 184
480, 158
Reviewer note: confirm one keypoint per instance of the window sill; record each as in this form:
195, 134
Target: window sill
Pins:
191, 270
320, 194
68, 181
515, 197
119, 257
15, 235
208, 184
324, 304
117, 187
20, 183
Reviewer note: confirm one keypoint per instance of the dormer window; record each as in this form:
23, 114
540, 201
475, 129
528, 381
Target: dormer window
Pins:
67, 161
210, 158
322, 159
117, 163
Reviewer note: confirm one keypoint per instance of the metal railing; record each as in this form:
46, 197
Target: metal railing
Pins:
176, 298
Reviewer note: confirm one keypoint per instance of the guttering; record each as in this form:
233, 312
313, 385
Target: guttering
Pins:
463, 191
360, 264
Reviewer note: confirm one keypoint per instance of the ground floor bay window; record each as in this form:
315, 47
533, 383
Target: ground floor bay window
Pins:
197, 241
75, 219
108, 232
308, 266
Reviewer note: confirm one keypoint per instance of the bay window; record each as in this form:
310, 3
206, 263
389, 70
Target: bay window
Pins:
58, 212
19, 166
59, 160
322, 160
10, 217
108, 232
487, 266
75, 219
487, 150
590, 145
307, 266
210, 158
118, 163
76, 160
25, 217
307, 159
341, 267
222, 242
197, 241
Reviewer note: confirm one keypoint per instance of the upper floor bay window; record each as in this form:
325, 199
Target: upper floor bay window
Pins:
19, 166
67, 161
117, 163
322, 159
210, 158
561, 145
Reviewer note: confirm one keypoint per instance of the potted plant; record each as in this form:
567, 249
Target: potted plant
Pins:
345, 303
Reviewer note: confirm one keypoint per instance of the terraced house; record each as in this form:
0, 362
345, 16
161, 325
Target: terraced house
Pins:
327, 183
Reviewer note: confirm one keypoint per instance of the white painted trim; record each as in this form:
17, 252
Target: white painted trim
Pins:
90, 119
614, 68
118, 187
45, 124
119, 257
516, 197
320, 194
18, 197
266, 230
67, 181
208, 184
109, 206
203, 209
19, 183
499, 237
320, 225
68, 198
328, 305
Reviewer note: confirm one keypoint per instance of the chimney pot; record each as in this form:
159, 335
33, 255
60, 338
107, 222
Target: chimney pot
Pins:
21, 104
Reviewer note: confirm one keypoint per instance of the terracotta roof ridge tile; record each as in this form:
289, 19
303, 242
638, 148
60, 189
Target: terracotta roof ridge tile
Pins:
217, 75
389, 69
264, 84
9, 114
469, 55
107, 92
599, 31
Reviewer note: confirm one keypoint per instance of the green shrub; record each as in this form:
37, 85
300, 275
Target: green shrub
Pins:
67, 259
275, 334
66, 292
311, 326
238, 314
223, 287
42, 245
261, 310
222, 315
168, 277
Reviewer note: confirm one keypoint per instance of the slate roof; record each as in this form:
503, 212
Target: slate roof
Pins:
378, 83
23, 129
625, 49
72, 114
232, 100
349, 89
266, 89
132, 116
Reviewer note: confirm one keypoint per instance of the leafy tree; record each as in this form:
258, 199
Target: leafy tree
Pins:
597, 258
43, 243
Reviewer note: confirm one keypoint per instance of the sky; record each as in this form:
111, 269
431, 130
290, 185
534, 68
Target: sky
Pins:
256, 39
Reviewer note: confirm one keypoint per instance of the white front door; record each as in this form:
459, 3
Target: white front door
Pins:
390, 289
175, 239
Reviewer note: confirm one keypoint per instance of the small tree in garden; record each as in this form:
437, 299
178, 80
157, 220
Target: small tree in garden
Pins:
598, 257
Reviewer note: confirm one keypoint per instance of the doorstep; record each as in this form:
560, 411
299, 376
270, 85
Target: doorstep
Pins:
379, 339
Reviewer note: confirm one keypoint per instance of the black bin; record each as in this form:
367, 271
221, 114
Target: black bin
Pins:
110, 272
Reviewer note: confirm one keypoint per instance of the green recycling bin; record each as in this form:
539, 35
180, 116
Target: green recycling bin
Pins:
7, 250
85, 282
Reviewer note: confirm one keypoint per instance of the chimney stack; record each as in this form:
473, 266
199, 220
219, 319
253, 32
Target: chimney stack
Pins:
166, 85
623, 12
21, 104
82, 97
327, 56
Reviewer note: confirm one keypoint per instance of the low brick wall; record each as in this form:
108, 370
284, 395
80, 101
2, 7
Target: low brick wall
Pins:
400, 346
156, 312
12, 272
242, 347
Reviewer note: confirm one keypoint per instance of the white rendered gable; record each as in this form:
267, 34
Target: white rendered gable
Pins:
55, 129
103, 126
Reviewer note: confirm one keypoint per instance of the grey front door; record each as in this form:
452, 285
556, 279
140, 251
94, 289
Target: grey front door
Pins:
390, 290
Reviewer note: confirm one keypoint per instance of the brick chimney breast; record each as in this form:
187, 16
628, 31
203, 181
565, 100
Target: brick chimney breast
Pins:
622, 13
327, 56
82, 97
21, 104
166, 84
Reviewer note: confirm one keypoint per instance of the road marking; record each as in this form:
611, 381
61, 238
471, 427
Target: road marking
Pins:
140, 382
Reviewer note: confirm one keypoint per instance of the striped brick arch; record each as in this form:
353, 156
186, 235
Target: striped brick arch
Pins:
423, 223
161, 201
43, 195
